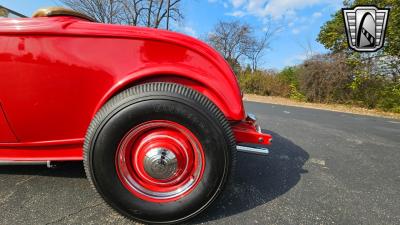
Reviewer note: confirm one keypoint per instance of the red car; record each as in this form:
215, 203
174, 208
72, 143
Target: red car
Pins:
156, 116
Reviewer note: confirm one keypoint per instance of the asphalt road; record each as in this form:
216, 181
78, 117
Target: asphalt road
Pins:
324, 168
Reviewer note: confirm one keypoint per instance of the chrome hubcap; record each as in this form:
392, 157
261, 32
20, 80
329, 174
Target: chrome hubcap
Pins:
160, 163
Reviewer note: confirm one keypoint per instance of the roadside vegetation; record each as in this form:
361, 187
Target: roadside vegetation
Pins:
329, 78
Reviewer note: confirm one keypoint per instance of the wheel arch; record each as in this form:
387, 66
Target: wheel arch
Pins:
181, 76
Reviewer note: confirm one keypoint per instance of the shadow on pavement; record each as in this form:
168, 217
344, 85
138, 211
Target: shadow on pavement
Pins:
260, 179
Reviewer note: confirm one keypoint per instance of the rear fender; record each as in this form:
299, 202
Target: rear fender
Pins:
226, 100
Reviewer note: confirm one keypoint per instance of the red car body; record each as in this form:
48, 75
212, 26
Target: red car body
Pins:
57, 72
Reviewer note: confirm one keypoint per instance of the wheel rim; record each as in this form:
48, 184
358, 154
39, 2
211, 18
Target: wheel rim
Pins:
160, 161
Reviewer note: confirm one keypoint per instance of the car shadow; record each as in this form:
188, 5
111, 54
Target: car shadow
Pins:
260, 179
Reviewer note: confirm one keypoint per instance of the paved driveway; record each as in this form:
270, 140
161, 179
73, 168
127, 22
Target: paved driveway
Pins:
324, 168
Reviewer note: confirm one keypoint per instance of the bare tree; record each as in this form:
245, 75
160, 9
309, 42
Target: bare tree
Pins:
307, 48
257, 48
231, 39
105, 11
326, 78
150, 13
160, 10
235, 40
132, 12
168, 12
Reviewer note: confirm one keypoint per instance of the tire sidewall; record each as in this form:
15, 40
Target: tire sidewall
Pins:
145, 108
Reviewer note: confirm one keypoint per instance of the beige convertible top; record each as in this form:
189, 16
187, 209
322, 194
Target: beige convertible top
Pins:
60, 11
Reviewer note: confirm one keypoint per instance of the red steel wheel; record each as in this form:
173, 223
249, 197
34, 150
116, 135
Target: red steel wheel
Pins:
160, 161
159, 153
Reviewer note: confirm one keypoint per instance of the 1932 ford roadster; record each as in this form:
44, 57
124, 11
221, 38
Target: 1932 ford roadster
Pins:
156, 116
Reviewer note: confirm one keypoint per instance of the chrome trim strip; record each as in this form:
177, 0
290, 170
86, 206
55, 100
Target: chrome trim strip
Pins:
253, 150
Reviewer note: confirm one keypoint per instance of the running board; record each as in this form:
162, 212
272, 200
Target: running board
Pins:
27, 163
253, 150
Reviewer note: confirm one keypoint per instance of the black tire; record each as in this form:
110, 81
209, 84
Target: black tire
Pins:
157, 101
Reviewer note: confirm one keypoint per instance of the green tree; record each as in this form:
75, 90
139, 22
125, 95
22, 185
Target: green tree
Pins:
289, 75
393, 30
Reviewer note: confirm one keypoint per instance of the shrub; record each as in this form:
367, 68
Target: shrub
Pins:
290, 76
263, 83
390, 98
325, 78
295, 94
367, 91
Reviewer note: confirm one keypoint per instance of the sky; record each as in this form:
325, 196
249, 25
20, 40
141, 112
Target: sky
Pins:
297, 22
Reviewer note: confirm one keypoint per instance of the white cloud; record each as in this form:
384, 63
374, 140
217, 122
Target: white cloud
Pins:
238, 3
238, 13
279, 12
221, 2
298, 24
295, 30
317, 14
183, 28
276, 9
189, 31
